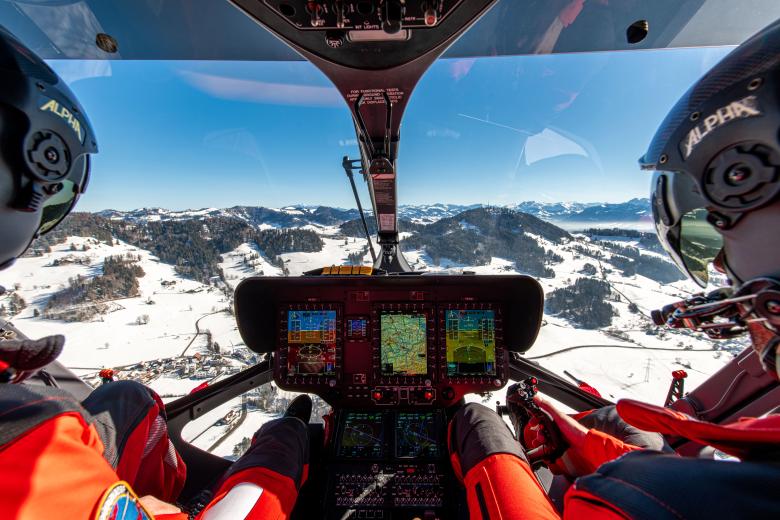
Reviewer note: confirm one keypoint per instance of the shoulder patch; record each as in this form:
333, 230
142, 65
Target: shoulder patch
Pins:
119, 502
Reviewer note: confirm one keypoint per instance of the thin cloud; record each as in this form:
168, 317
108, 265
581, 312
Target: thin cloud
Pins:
254, 91
447, 133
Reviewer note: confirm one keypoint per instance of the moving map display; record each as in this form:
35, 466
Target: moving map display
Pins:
403, 344
311, 340
363, 435
416, 435
471, 342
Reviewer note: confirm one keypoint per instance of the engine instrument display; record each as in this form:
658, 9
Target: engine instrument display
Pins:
311, 336
403, 344
417, 435
362, 436
470, 337
357, 329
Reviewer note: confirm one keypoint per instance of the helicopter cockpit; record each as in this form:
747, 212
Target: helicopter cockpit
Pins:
392, 351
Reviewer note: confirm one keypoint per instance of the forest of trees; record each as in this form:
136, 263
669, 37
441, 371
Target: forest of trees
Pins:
14, 306
631, 261
194, 247
476, 236
79, 300
646, 239
275, 242
357, 257
583, 303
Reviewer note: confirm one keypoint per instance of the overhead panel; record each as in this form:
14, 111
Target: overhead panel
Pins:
216, 30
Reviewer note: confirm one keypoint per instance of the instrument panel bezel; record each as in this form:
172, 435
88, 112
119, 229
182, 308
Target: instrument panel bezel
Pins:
431, 361
281, 369
501, 357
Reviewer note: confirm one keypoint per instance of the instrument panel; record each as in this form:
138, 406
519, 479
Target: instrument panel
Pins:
390, 341
391, 355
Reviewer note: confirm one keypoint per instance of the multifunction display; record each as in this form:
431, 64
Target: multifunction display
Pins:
410, 434
403, 345
470, 337
311, 340
417, 434
362, 435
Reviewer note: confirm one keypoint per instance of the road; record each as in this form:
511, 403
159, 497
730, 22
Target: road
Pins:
230, 430
197, 331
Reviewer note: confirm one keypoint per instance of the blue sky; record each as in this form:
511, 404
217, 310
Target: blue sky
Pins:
489, 130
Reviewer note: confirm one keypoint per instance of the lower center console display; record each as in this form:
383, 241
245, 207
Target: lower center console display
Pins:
417, 434
362, 435
411, 434
389, 459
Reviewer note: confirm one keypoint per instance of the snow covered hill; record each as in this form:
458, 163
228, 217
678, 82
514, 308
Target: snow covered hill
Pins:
178, 332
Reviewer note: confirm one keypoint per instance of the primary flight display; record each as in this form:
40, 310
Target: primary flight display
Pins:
470, 336
311, 336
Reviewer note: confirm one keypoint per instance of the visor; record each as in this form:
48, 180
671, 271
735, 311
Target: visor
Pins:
682, 227
59, 205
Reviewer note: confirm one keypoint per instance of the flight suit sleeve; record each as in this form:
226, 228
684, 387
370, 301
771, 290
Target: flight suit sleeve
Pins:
54, 470
599, 448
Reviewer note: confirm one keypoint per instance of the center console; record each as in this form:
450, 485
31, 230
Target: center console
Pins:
389, 464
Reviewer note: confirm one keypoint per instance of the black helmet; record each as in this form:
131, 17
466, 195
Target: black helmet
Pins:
717, 158
45, 142
716, 190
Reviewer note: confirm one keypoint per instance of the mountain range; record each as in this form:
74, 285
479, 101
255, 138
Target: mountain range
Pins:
570, 215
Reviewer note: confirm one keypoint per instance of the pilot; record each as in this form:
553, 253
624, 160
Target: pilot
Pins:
67, 459
716, 199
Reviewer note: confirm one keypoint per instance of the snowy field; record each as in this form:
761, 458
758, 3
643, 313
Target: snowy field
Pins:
179, 308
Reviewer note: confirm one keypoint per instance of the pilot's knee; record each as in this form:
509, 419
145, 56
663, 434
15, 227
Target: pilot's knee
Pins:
476, 432
475, 417
607, 420
122, 400
280, 446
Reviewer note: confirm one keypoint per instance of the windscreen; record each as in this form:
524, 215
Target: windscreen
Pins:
213, 171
